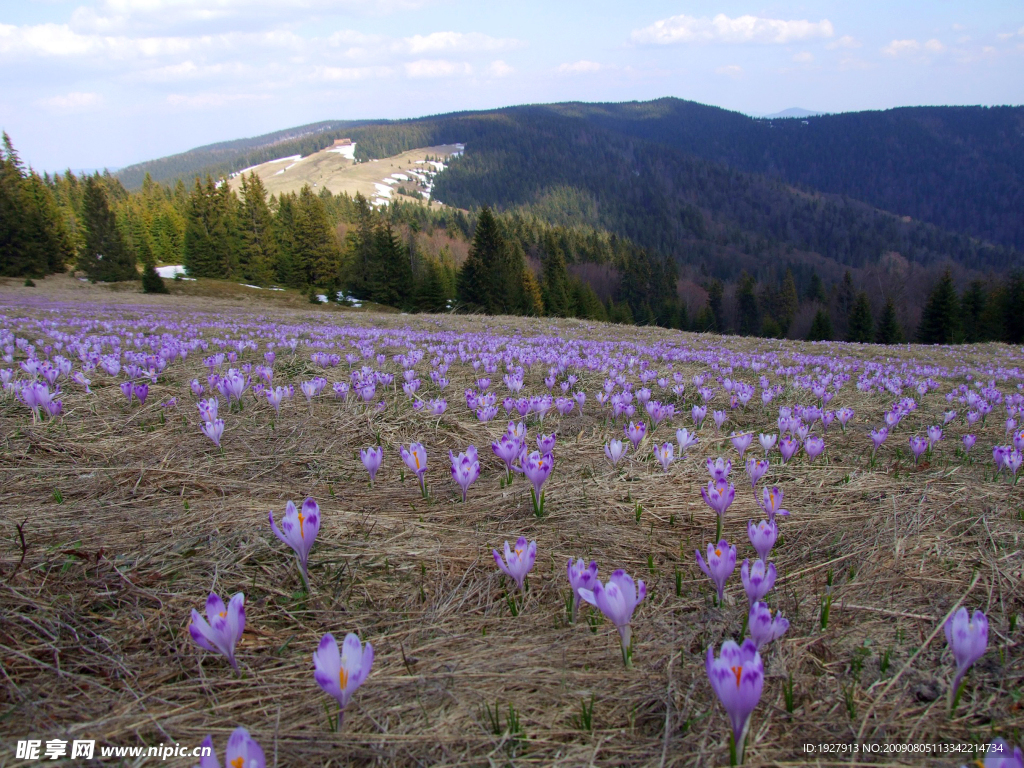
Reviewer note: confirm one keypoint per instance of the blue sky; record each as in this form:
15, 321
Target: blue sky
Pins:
113, 82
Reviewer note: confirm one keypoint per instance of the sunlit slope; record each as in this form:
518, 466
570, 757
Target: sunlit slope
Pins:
376, 179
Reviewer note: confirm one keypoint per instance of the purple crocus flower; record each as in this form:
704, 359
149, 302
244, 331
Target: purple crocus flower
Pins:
742, 442
737, 677
767, 442
934, 435
771, 503
719, 469
719, 419
698, 413
665, 455
242, 752
788, 447
718, 496
918, 445
969, 441
685, 439
1000, 755
720, 564
813, 445
878, 437
465, 468
415, 458
208, 409
614, 451
372, 458
214, 430
298, 530
617, 600
756, 469
518, 562
141, 393
546, 443
340, 674
128, 390
635, 432
537, 469
762, 537
763, 629
197, 388
580, 577
968, 639
222, 628
757, 579
507, 448
844, 415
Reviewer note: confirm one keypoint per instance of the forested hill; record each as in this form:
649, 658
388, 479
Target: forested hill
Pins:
695, 181
226, 156
961, 168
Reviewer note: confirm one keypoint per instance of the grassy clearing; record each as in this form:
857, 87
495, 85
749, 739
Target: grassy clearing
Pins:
130, 515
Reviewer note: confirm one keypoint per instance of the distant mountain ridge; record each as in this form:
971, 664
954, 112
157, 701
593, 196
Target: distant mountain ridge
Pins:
792, 112
711, 172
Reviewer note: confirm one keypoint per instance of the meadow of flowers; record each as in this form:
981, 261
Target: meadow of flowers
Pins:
423, 540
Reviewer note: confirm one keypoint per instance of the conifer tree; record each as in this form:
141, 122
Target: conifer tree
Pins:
151, 280
207, 242
889, 331
821, 327
391, 278
747, 300
430, 294
789, 303
716, 293
317, 252
556, 281
359, 257
973, 304
815, 289
861, 325
474, 289
940, 319
842, 303
104, 255
258, 247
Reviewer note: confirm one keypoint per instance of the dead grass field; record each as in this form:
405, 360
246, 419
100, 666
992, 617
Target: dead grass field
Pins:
131, 516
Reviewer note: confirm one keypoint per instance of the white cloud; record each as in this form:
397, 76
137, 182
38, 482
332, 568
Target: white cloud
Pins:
208, 100
458, 41
350, 74
732, 70
437, 68
71, 102
804, 57
898, 47
722, 29
580, 67
500, 69
843, 42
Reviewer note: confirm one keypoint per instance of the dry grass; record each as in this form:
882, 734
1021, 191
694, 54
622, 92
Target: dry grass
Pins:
129, 520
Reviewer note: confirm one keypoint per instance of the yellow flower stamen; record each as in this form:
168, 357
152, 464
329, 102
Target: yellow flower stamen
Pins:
417, 459
718, 552
223, 614
738, 671
302, 534
343, 677
238, 762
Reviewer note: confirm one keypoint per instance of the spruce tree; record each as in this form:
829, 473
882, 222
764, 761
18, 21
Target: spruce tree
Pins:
789, 303
716, 293
821, 327
940, 319
973, 309
889, 331
104, 255
473, 289
861, 325
429, 294
815, 288
391, 279
288, 272
747, 300
317, 252
258, 247
151, 281
843, 301
556, 281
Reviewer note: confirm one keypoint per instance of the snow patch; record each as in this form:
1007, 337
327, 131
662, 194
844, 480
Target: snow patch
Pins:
399, 176
349, 151
170, 272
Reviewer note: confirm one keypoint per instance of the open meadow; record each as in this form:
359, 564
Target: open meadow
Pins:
121, 514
